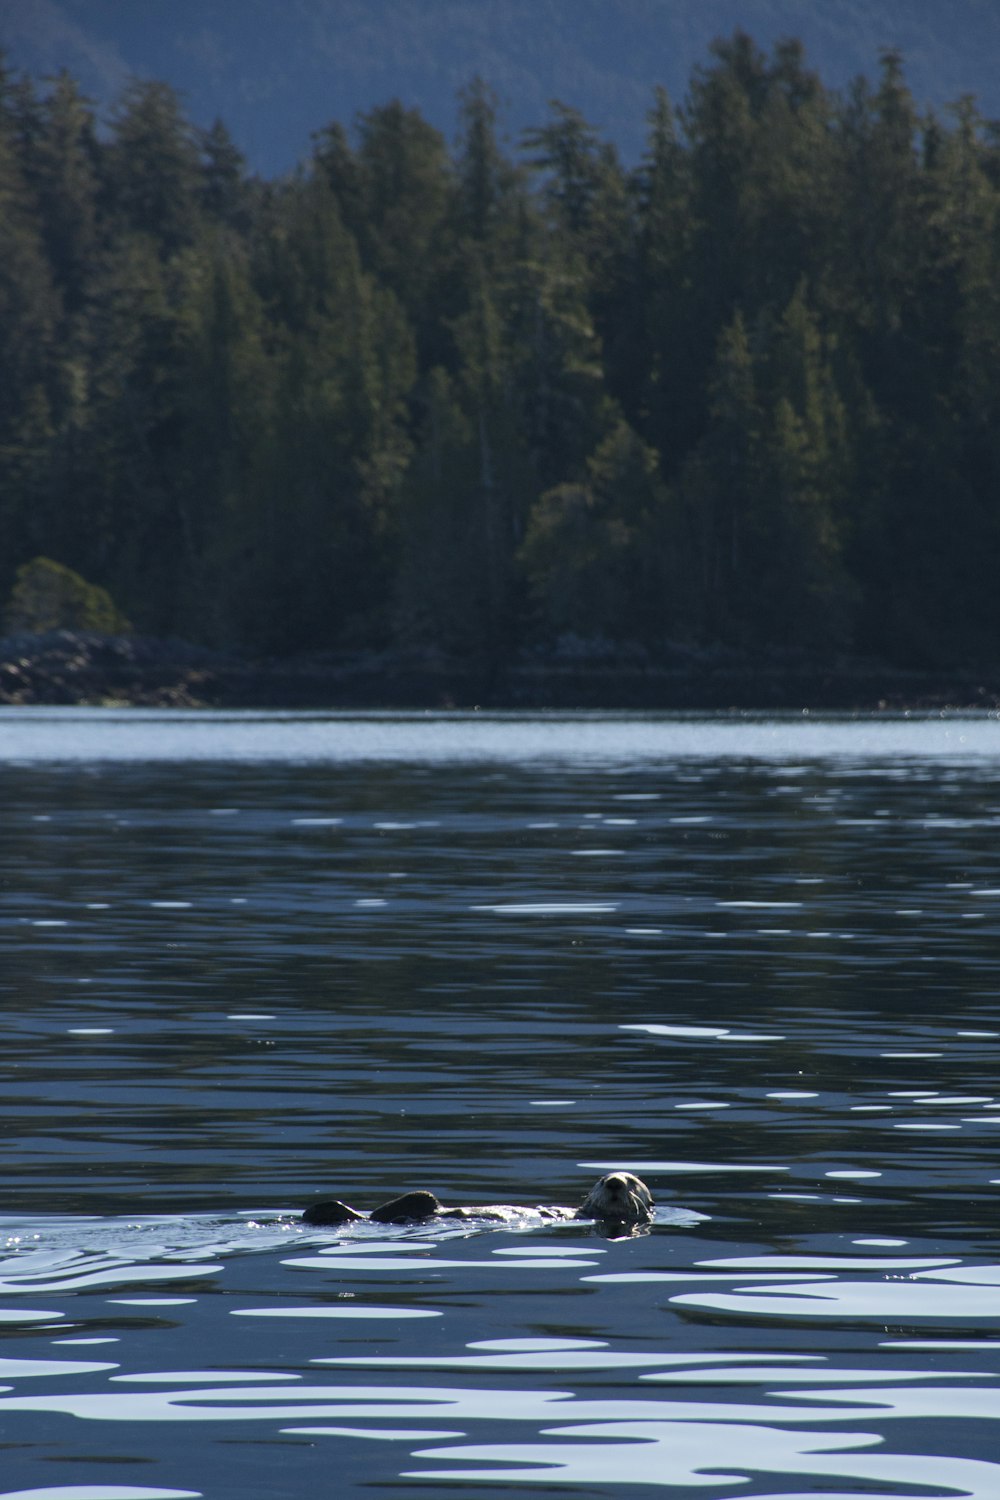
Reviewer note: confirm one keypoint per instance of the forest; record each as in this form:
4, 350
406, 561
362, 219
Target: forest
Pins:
478, 401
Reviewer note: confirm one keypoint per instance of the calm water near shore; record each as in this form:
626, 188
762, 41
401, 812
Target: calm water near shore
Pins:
251, 959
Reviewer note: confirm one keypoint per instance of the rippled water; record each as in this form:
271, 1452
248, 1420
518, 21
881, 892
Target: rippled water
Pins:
252, 960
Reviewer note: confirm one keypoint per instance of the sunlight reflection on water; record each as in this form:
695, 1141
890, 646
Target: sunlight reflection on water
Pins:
252, 960
151, 735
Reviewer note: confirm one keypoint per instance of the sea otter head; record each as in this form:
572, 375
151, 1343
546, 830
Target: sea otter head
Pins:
619, 1198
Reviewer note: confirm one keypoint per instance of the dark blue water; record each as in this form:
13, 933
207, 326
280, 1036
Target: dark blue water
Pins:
252, 960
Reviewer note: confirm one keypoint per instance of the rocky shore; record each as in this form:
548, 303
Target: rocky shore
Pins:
71, 667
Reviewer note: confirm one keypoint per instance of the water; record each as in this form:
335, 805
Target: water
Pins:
249, 960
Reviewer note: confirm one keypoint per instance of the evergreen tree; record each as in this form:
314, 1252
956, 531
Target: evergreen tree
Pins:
585, 194
599, 555
766, 490
568, 155
227, 422
151, 168
488, 188
58, 152
650, 362
442, 596
224, 195
719, 482
504, 477
801, 589
344, 364
29, 367
404, 180
125, 529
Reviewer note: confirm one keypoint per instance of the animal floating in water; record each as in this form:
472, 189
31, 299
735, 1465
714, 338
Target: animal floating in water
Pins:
618, 1201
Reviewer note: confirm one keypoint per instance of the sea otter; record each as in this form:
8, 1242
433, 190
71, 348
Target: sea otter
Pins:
619, 1200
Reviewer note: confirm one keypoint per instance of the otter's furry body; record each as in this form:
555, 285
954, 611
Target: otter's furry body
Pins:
619, 1200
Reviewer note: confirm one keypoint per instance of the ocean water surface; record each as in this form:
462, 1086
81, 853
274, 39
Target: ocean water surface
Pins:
250, 960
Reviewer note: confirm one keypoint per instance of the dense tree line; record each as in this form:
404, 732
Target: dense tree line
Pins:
474, 400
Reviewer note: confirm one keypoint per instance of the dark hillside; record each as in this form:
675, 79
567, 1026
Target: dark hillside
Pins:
276, 70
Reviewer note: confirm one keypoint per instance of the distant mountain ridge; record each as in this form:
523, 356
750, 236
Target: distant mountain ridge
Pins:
277, 70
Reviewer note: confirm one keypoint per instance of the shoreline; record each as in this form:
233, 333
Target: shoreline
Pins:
75, 669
